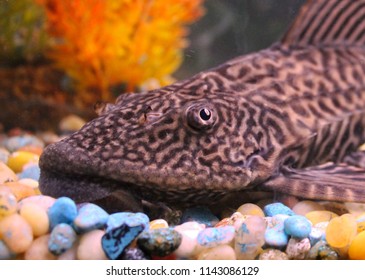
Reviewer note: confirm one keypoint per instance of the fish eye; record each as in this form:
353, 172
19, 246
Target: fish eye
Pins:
201, 116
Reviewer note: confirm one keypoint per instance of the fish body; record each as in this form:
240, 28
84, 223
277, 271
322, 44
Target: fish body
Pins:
289, 119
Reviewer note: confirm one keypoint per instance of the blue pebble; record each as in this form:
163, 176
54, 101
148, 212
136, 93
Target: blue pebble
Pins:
64, 210
16, 142
211, 237
201, 215
316, 235
89, 217
297, 226
273, 209
61, 239
131, 219
33, 172
276, 238
115, 241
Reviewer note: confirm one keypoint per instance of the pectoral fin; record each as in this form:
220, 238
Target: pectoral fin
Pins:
336, 182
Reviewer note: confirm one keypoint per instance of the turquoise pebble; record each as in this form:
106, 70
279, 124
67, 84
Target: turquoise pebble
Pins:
316, 235
5, 253
31, 172
297, 226
275, 234
63, 210
211, 237
90, 216
273, 209
199, 214
61, 239
16, 142
159, 242
131, 219
118, 238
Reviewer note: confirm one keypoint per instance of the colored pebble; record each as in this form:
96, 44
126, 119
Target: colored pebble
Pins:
63, 210
297, 249
316, 235
6, 174
341, 231
322, 251
250, 209
4, 155
297, 226
131, 219
90, 216
134, 254
211, 237
31, 171
17, 160
274, 209
360, 220
43, 201
159, 223
235, 220
220, 252
250, 237
357, 247
90, 247
70, 254
159, 242
19, 190
189, 245
16, 233
71, 123
275, 235
16, 142
273, 254
116, 239
38, 250
8, 204
61, 239
305, 206
316, 217
36, 217
5, 253
199, 214
29, 182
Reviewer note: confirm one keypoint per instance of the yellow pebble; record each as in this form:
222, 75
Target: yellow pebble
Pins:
341, 231
16, 233
36, 217
250, 209
220, 252
320, 216
29, 182
8, 204
357, 247
159, 223
360, 220
306, 206
6, 174
38, 250
18, 159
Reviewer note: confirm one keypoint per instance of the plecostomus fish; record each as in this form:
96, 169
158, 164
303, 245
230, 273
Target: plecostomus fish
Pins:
287, 119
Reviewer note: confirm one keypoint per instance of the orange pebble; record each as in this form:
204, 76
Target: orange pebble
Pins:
19, 190
32, 149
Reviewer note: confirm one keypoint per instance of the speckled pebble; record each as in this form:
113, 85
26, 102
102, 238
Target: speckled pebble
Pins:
211, 237
63, 210
8, 204
305, 206
341, 231
250, 237
36, 217
5, 253
322, 251
199, 214
189, 244
250, 209
297, 226
159, 242
6, 174
38, 250
220, 252
134, 254
275, 235
357, 247
31, 171
90, 247
273, 254
131, 219
274, 209
116, 239
89, 217
61, 239
297, 249
16, 233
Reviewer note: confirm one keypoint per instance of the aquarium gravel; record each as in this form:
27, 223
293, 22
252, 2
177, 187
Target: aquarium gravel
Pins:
35, 226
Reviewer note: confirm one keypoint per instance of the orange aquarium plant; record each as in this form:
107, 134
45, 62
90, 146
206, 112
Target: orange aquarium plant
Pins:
100, 44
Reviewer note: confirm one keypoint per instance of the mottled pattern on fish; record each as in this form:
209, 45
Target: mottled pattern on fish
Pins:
286, 119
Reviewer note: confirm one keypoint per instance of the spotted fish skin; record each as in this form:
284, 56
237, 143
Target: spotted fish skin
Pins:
266, 120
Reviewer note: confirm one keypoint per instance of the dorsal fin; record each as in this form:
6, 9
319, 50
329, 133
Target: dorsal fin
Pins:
328, 22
